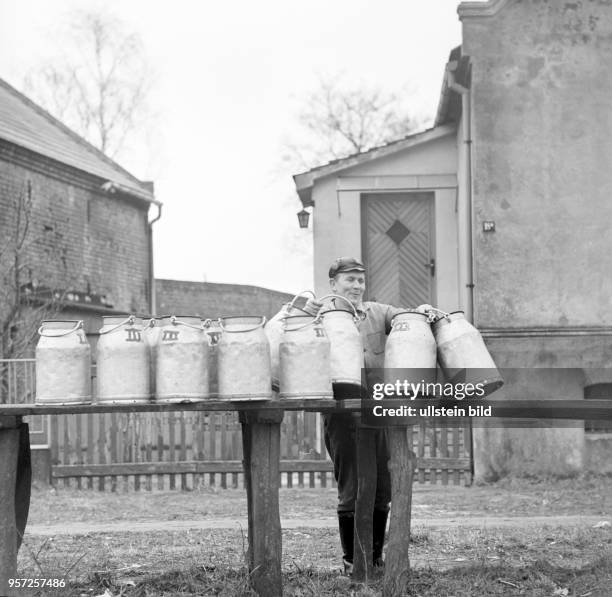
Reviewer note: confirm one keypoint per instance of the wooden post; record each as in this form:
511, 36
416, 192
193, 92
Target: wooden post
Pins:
23, 482
9, 452
401, 466
261, 449
364, 506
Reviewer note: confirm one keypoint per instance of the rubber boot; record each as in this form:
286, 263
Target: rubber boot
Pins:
346, 523
379, 525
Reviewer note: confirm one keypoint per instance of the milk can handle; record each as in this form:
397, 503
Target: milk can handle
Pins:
176, 321
129, 319
259, 325
431, 317
299, 294
77, 326
316, 320
344, 299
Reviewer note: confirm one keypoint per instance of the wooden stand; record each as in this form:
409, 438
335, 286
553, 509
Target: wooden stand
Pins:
401, 466
9, 452
364, 506
261, 449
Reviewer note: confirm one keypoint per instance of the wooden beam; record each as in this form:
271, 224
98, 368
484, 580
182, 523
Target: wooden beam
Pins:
9, 451
261, 449
364, 505
401, 467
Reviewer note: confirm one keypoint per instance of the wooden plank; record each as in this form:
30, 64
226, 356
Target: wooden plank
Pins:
9, 448
444, 452
78, 443
66, 446
468, 452
223, 447
183, 448
102, 418
455, 451
159, 426
212, 442
172, 446
433, 451
421, 451
401, 467
90, 451
148, 447
364, 506
193, 467
517, 409
113, 457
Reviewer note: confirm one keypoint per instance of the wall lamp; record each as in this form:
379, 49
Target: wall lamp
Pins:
303, 217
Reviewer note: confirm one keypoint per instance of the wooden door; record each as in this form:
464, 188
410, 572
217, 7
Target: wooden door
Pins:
398, 248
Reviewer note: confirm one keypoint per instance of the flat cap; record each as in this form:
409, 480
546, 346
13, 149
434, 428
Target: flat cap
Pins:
345, 264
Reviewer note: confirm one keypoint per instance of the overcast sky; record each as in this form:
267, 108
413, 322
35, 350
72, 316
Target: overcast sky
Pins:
230, 76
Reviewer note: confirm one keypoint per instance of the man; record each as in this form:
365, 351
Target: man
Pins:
347, 279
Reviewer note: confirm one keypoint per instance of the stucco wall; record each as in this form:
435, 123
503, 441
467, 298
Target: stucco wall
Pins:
541, 91
337, 212
541, 142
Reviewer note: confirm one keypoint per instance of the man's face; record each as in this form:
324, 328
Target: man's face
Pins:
350, 285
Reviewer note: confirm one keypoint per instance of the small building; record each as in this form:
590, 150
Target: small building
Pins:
502, 210
90, 229
88, 244
213, 300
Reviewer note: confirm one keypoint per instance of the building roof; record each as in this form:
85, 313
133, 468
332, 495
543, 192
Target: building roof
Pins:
24, 123
305, 181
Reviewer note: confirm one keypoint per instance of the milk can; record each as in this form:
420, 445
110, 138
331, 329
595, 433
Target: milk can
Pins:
274, 329
462, 353
122, 361
213, 331
304, 359
243, 364
152, 331
410, 346
346, 348
182, 360
63, 364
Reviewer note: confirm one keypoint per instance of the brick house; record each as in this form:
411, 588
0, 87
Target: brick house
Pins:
90, 234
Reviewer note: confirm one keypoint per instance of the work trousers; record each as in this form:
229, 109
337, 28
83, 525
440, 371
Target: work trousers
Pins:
341, 444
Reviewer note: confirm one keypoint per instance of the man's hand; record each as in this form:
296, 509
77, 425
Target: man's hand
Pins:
424, 308
312, 306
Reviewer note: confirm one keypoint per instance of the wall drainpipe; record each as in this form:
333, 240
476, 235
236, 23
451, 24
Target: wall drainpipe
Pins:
152, 299
466, 111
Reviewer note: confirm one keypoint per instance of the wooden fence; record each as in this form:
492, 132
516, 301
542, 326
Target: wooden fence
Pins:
191, 449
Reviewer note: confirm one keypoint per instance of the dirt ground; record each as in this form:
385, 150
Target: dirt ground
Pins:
585, 496
537, 537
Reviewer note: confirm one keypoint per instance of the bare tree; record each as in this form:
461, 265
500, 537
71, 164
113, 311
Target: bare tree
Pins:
337, 120
99, 85
22, 306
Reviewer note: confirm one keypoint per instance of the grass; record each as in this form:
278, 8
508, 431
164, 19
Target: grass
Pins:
547, 561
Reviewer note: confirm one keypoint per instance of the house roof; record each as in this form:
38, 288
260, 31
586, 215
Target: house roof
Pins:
305, 181
24, 123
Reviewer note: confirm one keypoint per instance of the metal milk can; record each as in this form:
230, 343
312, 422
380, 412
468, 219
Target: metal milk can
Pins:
304, 359
410, 346
243, 365
63, 364
346, 347
182, 360
122, 361
213, 331
462, 353
274, 330
152, 331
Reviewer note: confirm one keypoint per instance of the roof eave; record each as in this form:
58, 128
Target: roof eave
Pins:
305, 181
